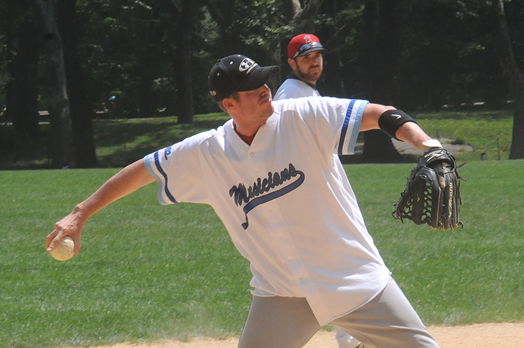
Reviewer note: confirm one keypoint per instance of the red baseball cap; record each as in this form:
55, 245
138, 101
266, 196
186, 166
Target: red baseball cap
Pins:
302, 44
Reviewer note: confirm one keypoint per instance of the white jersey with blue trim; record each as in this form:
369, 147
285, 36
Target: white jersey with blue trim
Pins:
286, 208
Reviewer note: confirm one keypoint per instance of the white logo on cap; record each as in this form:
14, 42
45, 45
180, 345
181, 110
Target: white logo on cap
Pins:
246, 65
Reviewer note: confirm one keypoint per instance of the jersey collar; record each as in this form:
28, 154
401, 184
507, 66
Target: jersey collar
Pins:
293, 76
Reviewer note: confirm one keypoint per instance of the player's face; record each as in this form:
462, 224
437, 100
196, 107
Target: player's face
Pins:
252, 108
309, 67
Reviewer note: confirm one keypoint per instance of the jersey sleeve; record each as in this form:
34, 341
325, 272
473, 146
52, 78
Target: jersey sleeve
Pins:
345, 144
178, 173
334, 122
156, 166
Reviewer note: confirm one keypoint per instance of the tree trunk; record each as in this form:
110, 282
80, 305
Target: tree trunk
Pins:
148, 62
81, 110
62, 139
185, 85
515, 79
22, 106
22, 94
182, 13
381, 35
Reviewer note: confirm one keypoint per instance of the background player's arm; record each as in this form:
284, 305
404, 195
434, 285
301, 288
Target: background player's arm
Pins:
128, 180
409, 132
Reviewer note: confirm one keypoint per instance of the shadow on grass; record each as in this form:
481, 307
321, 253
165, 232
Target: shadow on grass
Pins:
118, 142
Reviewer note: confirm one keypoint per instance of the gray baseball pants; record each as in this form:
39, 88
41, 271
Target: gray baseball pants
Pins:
387, 321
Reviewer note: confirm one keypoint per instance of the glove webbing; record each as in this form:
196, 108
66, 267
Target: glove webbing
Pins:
418, 213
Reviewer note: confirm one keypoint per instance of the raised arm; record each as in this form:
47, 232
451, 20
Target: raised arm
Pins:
128, 180
397, 124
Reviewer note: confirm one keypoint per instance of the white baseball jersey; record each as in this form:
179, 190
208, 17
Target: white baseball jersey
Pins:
293, 88
286, 208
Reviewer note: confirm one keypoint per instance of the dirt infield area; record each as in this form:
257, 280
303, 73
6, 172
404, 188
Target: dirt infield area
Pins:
471, 336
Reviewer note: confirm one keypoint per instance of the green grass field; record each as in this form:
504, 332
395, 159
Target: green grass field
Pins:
149, 272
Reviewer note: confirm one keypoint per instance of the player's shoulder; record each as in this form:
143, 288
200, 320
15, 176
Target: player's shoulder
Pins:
293, 82
294, 88
307, 107
206, 136
307, 102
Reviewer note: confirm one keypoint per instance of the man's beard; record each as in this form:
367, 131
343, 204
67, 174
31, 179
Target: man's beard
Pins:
310, 77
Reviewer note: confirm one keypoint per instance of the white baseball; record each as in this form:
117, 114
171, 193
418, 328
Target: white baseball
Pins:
64, 250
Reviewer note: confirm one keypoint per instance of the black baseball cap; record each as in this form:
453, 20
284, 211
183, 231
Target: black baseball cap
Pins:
237, 73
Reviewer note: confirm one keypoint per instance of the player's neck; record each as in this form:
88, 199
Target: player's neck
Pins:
312, 84
248, 139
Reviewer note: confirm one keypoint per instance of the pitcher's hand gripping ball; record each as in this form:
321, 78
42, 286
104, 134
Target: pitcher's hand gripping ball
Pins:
64, 250
432, 194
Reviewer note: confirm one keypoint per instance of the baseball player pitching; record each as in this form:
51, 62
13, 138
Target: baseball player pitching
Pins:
269, 175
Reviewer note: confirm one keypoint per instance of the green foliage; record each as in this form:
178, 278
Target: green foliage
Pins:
445, 55
457, 53
149, 272
445, 52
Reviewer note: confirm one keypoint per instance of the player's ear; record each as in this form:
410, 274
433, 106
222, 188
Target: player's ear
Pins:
292, 63
228, 103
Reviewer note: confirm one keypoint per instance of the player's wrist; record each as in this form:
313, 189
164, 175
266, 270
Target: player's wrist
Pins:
81, 212
431, 144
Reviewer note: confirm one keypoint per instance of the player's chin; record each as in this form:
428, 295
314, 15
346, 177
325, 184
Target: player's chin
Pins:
314, 74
